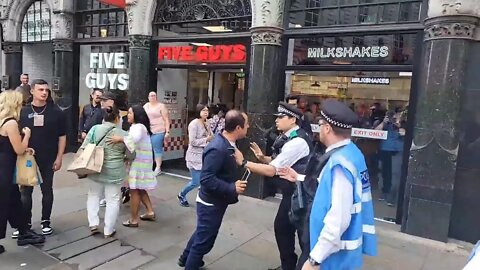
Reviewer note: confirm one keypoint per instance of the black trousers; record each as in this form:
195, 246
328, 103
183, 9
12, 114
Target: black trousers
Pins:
304, 236
285, 234
11, 209
209, 220
386, 158
46, 170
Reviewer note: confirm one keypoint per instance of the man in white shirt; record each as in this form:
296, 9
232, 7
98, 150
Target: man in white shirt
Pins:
290, 149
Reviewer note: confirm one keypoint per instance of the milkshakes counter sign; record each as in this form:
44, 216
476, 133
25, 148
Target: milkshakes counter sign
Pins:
218, 54
348, 52
110, 71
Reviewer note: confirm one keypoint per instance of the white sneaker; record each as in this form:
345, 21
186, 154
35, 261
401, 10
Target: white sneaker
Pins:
103, 203
15, 234
46, 228
157, 171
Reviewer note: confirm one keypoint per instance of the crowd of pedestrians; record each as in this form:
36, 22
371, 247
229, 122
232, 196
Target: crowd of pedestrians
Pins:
326, 195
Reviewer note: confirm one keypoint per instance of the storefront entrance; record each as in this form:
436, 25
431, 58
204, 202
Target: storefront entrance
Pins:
381, 101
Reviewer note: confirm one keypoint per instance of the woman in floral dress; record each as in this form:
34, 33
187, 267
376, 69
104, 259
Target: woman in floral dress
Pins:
141, 177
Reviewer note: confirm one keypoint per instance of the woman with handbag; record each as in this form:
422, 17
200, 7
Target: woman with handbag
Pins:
199, 134
141, 177
11, 145
107, 183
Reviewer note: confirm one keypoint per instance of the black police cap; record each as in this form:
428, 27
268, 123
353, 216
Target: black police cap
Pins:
338, 114
285, 109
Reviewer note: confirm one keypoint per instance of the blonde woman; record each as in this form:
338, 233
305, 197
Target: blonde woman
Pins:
11, 145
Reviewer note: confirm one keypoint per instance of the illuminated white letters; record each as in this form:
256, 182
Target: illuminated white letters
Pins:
102, 80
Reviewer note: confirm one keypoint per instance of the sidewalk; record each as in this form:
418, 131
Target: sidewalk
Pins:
246, 239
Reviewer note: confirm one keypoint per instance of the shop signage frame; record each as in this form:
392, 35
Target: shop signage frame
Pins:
212, 54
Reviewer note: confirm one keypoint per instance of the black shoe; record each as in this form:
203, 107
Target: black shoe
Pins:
125, 194
2, 249
182, 200
46, 229
30, 238
183, 261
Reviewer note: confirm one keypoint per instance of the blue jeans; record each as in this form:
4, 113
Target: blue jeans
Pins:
194, 183
209, 220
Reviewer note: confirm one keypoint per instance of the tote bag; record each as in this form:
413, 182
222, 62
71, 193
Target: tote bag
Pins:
89, 160
26, 171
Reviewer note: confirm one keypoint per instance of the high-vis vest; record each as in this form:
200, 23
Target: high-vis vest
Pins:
360, 236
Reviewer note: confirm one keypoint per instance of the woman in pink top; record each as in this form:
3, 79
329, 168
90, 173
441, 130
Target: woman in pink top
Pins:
160, 125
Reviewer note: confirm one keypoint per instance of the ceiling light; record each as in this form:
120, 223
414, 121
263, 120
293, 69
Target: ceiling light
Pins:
200, 44
219, 28
405, 74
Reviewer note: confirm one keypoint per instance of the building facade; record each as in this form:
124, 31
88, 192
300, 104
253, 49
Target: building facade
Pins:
248, 55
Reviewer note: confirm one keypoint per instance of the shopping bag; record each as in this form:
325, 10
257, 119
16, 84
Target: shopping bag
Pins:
89, 160
26, 171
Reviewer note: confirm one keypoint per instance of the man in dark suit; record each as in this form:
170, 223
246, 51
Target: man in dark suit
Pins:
218, 189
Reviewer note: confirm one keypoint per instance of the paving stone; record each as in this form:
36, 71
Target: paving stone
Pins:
240, 261
261, 249
166, 260
78, 247
100, 255
24, 258
59, 266
66, 238
131, 260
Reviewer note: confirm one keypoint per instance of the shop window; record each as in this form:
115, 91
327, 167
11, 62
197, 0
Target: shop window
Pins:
36, 25
94, 20
106, 68
353, 12
201, 17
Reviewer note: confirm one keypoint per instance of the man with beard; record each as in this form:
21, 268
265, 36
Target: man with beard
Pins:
91, 114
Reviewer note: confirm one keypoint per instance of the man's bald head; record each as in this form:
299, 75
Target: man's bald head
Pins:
234, 119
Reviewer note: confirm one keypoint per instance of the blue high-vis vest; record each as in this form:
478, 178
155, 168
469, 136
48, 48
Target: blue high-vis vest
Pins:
360, 236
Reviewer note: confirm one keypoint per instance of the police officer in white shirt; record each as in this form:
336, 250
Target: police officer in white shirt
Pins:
291, 149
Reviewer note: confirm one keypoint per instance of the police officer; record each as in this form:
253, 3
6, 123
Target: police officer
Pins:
341, 218
291, 149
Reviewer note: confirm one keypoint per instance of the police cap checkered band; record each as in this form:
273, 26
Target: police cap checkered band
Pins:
338, 114
285, 109
335, 123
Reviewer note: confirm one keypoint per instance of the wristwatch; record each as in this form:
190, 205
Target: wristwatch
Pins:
244, 163
312, 261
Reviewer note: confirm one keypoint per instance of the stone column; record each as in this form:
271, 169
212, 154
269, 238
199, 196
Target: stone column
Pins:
140, 15
139, 69
13, 62
448, 38
265, 80
64, 96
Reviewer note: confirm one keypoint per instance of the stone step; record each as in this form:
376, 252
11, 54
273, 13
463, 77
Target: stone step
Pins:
100, 255
81, 246
131, 260
65, 238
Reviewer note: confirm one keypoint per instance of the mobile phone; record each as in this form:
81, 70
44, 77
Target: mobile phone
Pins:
246, 175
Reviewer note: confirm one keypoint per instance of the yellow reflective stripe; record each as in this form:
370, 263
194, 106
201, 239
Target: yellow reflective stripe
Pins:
351, 244
370, 229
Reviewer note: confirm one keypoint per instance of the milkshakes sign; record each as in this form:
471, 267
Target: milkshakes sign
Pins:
348, 52
108, 62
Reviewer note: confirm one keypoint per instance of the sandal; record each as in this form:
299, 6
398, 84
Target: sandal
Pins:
148, 217
129, 224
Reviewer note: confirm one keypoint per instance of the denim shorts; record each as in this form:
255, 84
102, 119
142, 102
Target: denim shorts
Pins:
157, 144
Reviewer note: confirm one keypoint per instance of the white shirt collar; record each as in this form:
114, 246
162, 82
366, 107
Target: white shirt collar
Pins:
291, 130
338, 144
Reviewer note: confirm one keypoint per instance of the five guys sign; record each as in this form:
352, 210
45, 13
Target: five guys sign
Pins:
204, 54
117, 3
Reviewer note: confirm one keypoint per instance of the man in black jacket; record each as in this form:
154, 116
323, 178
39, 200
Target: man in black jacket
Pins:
91, 114
218, 189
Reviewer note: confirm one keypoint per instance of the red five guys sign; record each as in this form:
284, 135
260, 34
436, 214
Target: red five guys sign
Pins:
218, 54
